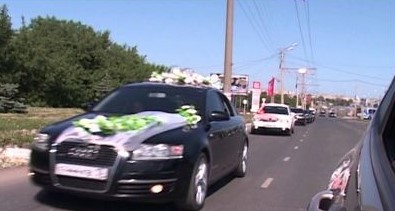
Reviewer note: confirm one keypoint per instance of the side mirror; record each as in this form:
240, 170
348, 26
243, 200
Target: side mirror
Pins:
87, 106
219, 116
321, 201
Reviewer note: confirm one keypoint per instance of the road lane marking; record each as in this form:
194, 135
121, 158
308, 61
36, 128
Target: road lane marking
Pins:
296, 147
286, 159
304, 135
267, 182
301, 140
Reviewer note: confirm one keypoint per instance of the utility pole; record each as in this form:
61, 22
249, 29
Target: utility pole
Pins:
281, 75
297, 93
228, 48
303, 91
356, 101
282, 53
303, 72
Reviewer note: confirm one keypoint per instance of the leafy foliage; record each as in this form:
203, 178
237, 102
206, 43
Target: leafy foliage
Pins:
62, 63
8, 101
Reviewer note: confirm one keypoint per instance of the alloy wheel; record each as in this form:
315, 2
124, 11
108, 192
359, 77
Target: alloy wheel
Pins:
201, 182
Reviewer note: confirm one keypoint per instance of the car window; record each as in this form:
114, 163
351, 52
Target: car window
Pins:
228, 106
297, 110
372, 111
214, 102
275, 110
130, 100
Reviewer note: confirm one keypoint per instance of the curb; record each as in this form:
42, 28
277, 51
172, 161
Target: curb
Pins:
18, 153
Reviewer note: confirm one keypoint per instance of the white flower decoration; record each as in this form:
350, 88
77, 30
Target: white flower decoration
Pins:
181, 77
169, 80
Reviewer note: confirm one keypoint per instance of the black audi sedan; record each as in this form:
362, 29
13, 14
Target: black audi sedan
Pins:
365, 177
136, 145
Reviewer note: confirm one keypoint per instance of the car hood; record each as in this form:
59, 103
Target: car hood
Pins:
55, 128
64, 130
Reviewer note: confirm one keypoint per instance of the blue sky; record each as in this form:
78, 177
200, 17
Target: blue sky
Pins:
350, 43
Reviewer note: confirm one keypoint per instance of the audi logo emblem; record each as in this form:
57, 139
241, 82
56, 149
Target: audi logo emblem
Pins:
90, 152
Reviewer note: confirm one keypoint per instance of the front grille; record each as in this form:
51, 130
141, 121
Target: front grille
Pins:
143, 189
106, 155
268, 120
89, 184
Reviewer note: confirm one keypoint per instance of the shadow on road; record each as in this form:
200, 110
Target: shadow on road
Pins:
268, 133
64, 201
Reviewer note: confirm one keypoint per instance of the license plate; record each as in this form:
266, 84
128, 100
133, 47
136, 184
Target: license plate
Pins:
264, 124
87, 172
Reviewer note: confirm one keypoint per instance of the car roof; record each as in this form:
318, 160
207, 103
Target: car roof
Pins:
164, 85
275, 104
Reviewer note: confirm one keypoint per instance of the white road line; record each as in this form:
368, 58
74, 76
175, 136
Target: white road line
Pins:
296, 147
267, 182
304, 135
286, 159
301, 140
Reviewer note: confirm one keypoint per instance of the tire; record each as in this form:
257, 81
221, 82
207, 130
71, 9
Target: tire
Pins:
288, 132
198, 186
241, 169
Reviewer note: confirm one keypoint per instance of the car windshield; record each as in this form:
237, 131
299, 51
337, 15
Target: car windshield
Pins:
135, 99
297, 110
275, 110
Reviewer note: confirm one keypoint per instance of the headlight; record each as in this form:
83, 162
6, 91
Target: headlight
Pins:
157, 152
41, 141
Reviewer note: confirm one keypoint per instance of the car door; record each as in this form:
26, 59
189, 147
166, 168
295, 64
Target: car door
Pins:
218, 135
236, 137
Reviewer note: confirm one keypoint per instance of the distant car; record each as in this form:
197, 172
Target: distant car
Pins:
322, 113
300, 118
313, 111
332, 114
309, 116
368, 113
273, 117
364, 178
166, 161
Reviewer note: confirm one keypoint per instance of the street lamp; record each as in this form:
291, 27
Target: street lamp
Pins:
282, 52
303, 71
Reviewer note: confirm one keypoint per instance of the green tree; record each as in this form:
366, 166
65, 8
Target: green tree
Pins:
5, 27
65, 63
9, 101
6, 34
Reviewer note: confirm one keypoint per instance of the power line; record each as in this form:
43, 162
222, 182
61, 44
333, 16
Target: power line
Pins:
307, 11
300, 29
237, 64
350, 81
262, 20
343, 71
254, 27
242, 66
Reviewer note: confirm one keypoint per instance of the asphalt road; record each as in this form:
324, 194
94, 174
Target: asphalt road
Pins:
284, 173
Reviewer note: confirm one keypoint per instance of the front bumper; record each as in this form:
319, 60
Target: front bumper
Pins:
127, 179
301, 121
266, 125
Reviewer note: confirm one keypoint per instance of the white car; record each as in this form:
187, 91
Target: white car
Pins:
274, 117
368, 113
